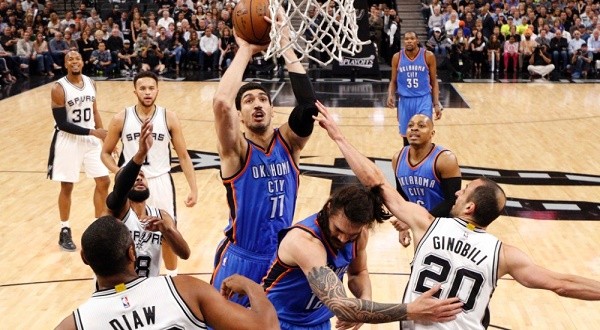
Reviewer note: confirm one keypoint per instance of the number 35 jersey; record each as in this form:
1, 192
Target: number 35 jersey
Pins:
79, 102
262, 196
464, 259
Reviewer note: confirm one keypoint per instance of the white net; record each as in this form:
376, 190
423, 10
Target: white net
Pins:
322, 32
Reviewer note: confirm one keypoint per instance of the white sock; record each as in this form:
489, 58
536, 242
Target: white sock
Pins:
172, 272
64, 224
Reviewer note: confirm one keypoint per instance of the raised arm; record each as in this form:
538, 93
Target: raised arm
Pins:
232, 145
184, 158
516, 263
116, 201
300, 122
415, 216
302, 249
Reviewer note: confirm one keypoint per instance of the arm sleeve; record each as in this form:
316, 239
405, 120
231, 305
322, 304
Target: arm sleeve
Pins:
449, 186
301, 121
124, 181
60, 116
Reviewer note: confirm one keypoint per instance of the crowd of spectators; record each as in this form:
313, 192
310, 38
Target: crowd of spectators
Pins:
118, 38
548, 39
467, 36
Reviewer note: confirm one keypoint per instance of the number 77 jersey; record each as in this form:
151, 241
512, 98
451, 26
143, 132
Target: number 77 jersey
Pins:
262, 196
464, 259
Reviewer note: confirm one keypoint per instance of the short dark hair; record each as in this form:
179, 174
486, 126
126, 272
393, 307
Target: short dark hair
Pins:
360, 205
248, 87
145, 74
105, 246
486, 198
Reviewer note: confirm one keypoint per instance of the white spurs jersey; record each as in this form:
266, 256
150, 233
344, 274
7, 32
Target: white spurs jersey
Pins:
464, 259
148, 244
80, 102
158, 160
144, 303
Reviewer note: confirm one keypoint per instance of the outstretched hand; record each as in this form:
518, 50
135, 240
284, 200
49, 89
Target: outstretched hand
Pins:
146, 140
243, 44
327, 122
403, 232
283, 24
428, 308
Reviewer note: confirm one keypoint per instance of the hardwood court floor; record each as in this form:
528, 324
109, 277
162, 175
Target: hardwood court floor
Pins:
515, 127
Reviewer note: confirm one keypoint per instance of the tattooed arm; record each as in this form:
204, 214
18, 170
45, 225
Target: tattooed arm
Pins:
299, 248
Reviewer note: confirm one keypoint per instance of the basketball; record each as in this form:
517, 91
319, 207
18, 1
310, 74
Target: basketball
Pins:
248, 21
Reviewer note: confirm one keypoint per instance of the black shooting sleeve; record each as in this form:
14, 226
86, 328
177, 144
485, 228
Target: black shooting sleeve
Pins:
449, 186
124, 181
301, 119
60, 116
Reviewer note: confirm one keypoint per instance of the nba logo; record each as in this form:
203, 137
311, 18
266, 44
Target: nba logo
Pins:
125, 302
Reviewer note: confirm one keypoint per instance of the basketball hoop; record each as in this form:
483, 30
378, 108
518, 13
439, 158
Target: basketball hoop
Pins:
323, 33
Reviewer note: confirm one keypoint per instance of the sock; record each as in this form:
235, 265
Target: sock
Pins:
64, 224
172, 272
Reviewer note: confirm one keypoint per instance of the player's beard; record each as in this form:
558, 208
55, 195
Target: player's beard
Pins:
138, 196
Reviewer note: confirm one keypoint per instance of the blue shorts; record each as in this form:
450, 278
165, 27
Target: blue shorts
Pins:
410, 106
288, 326
231, 259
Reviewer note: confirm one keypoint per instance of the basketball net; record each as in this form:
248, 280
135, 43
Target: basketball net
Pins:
323, 33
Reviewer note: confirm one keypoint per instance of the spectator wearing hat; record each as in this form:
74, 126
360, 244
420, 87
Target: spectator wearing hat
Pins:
128, 59
438, 44
435, 21
505, 28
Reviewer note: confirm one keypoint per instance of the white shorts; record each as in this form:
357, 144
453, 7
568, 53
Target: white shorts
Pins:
162, 193
68, 152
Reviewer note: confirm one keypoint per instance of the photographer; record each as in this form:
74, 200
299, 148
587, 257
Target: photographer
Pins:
581, 62
540, 62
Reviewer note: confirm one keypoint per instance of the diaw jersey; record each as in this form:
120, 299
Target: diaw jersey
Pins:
262, 196
148, 244
158, 160
419, 182
79, 102
144, 303
288, 289
412, 77
464, 259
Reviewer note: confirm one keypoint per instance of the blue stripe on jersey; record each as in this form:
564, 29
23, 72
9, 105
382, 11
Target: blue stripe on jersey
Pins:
288, 288
420, 182
413, 75
262, 197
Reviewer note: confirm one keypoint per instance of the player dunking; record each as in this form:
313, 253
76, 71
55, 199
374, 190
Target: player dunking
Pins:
126, 125
76, 142
414, 82
259, 167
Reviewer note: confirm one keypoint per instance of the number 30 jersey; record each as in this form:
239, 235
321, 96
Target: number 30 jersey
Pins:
262, 196
464, 259
79, 102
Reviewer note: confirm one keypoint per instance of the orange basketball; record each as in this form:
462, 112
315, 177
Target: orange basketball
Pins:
249, 23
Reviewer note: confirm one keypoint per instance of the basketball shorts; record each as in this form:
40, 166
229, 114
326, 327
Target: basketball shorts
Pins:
231, 259
162, 194
69, 152
288, 326
410, 106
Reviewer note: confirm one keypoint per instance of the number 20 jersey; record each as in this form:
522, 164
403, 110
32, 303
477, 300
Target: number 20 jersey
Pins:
262, 196
465, 261
79, 102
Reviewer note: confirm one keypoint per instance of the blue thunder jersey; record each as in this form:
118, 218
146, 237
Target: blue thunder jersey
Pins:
420, 182
413, 75
464, 260
288, 289
262, 196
